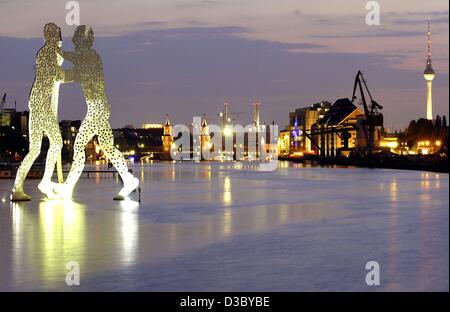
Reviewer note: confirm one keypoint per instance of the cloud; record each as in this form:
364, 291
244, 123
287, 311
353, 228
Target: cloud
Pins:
430, 14
197, 4
196, 23
418, 18
152, 23
301, 47
338, 20
376, 33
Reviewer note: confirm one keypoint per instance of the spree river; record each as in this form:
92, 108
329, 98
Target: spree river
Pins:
224, 227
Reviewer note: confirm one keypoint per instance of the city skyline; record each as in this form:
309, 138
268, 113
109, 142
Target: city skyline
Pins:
186, 58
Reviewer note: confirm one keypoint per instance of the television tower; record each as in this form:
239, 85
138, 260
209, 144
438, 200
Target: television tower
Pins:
429, 75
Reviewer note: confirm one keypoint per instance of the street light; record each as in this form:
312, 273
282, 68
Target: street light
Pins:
227, 131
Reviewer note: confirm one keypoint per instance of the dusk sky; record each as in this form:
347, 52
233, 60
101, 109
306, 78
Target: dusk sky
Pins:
186, 57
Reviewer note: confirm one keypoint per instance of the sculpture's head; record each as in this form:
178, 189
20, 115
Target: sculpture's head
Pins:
83, 38
52, 34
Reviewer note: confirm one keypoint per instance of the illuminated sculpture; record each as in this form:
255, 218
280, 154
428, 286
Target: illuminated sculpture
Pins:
88, 70
43, 104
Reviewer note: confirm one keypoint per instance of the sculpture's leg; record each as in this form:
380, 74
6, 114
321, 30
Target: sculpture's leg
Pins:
55, 101
34, 151
85, 134
59, 169
106, 141
54, 136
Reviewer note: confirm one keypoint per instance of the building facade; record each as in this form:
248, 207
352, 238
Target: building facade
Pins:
167, 139
13, 134
301, 122
340, 132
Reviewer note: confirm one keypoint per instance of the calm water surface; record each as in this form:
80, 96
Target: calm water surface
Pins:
216, 227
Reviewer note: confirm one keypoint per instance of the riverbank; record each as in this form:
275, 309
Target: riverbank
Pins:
418, 163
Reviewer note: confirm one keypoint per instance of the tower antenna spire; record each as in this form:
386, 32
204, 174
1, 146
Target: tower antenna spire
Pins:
429, 41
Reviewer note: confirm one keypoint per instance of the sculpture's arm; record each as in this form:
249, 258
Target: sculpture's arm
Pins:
58, 77
70, 56
70, 75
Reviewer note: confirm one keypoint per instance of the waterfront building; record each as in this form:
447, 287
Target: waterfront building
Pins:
205, 137
427, 147
284, 143
167, 139
340, 132
13, 134
69, 130
390, 142
142, 144
301, 122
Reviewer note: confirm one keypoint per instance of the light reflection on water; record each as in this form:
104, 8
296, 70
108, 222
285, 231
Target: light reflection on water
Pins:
48, 239
393, 223
192, 206
43, 242
129, 230
62, 235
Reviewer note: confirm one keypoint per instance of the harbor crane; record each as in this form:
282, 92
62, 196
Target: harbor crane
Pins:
374, 118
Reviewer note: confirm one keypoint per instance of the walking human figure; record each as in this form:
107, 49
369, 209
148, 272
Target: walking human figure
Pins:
88, 70
43, 102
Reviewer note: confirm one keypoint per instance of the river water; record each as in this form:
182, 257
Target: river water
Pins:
223, 227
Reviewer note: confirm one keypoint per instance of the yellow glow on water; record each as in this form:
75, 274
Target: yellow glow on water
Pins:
437, 181
283, 214
227, 221
17, 212
228, 213
227, 197
425, 181
129, 231
142, 175
393, 190
62, 235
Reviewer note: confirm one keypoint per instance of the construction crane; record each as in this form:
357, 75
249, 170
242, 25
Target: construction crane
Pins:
373, 116
2, 104
228, 116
